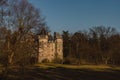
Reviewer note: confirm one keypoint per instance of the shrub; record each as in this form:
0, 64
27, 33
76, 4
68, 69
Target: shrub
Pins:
45, 61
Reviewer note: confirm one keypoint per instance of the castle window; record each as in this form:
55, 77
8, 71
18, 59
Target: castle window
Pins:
47, 45
52, 49
58, 49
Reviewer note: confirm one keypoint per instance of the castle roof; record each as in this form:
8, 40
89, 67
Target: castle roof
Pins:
43, 31
50, 38
57, 35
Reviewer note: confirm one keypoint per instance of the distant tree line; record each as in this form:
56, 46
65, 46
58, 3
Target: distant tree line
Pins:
98, 45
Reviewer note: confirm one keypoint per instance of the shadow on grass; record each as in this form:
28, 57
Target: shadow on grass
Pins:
60, 73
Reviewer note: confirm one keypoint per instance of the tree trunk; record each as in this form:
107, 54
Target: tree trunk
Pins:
11, 58
106, 61
5, 72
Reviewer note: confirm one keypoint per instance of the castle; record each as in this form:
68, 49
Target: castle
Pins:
50, 48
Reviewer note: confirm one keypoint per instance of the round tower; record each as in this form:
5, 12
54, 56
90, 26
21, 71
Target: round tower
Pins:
58, 46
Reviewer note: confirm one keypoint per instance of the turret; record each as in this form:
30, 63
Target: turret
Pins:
59, 45
43, 37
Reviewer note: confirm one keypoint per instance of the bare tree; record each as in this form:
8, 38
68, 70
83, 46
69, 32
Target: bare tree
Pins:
101, 35
24, 18
21, 18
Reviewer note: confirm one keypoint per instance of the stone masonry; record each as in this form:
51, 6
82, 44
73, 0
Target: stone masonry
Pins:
50, 48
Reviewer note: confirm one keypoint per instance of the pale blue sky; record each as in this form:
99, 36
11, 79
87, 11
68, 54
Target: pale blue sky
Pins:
74, 15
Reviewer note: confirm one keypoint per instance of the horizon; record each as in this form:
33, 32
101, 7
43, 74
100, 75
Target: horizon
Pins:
78, 15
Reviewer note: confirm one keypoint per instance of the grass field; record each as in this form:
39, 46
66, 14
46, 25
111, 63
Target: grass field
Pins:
67, 72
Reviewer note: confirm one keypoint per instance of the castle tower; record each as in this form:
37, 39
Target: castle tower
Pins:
46, 47
58, 46
42, 41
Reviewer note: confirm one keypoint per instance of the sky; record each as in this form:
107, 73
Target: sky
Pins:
76, 15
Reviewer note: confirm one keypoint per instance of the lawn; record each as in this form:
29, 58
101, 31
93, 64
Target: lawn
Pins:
67, 72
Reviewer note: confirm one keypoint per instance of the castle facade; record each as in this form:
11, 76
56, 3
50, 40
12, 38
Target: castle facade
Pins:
50, 48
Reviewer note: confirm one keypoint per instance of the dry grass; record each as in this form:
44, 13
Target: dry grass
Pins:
66, 72
90, 67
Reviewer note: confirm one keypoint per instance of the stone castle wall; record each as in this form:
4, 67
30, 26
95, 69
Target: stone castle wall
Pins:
49, 50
